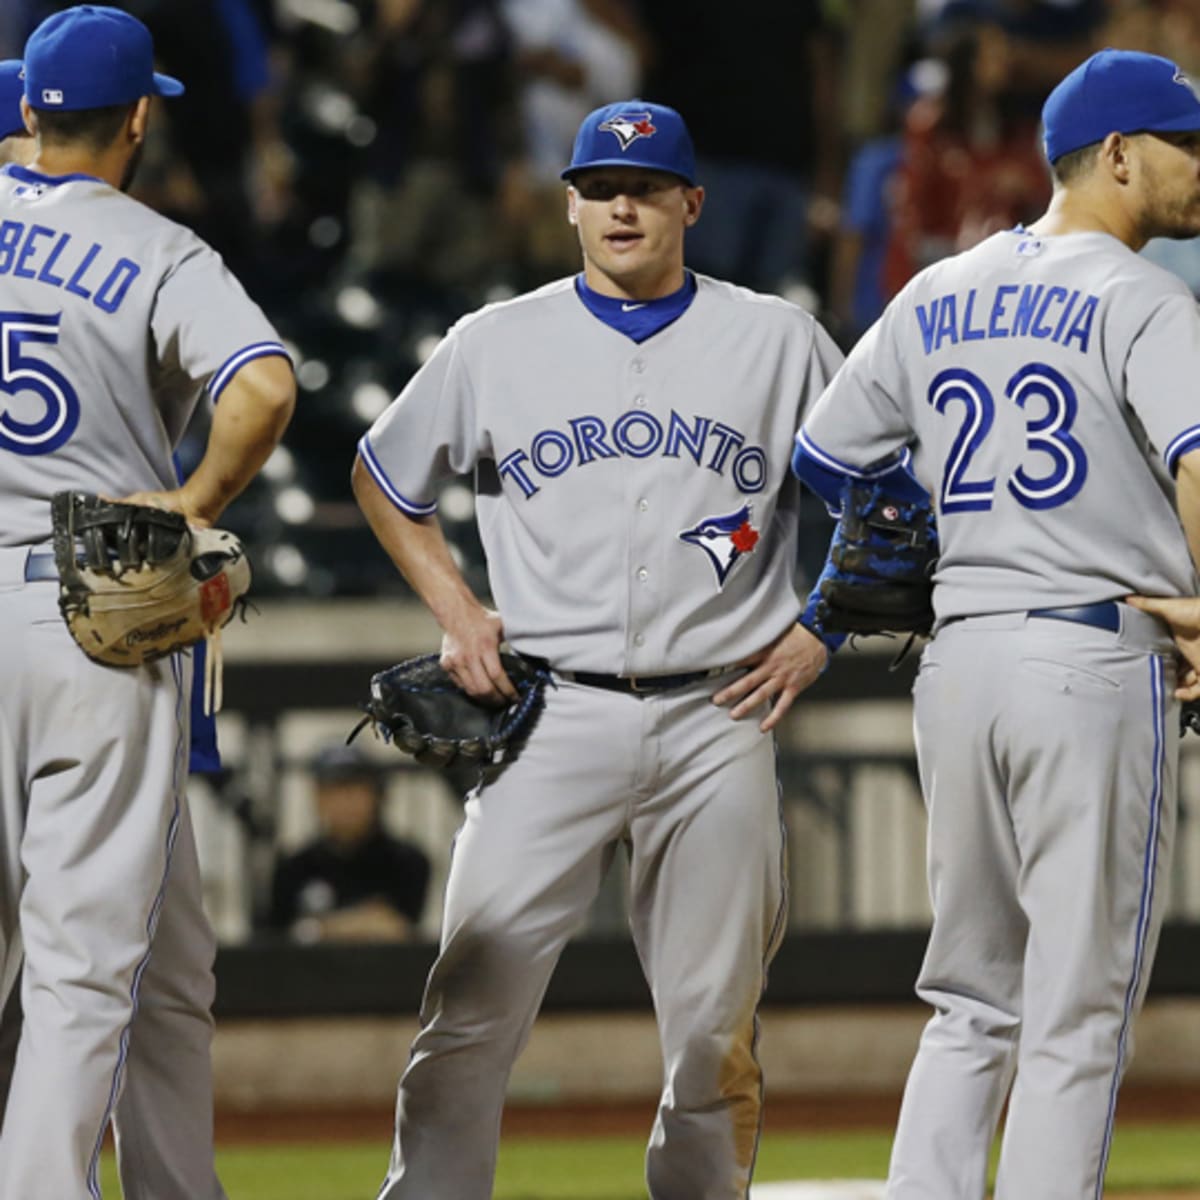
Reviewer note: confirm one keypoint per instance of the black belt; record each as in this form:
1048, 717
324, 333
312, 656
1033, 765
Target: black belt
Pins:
41, 568
639, 684
1104, 615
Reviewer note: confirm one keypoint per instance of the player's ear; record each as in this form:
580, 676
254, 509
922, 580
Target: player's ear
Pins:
29, 117
693, 202
572, 210
139, 116
1115, 152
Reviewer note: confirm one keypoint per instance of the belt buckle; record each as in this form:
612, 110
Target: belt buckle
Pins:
634, 686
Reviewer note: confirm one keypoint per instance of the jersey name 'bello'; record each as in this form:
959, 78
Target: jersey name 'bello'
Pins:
47, 256
1011, 310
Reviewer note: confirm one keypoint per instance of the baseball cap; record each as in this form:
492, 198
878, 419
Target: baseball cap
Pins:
338, 762
12, 88
91, 56
1118, 91
634, 133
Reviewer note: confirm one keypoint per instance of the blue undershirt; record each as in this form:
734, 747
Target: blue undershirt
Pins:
638, 319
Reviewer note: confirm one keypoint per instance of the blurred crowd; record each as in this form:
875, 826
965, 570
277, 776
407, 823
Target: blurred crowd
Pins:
371, 169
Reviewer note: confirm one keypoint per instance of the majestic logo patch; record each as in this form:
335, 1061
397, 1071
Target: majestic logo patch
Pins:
628, 127
724, 539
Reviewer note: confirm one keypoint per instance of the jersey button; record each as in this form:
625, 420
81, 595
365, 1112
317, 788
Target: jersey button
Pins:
639, 365
640, 401
643, 504
639, 640
643, 574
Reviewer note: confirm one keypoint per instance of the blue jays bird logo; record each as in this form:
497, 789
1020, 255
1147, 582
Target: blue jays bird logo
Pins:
628, 127
724, 539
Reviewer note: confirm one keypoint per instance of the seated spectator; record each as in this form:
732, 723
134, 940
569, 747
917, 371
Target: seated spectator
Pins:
355, 881
971, 164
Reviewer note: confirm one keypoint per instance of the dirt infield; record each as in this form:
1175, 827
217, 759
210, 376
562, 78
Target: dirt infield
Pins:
783, 1114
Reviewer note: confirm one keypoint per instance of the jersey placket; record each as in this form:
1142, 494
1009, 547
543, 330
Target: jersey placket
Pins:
644, 652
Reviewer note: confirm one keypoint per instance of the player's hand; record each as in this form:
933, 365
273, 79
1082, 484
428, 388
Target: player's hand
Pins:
779, 672
471, 656
1182, 614
178, 500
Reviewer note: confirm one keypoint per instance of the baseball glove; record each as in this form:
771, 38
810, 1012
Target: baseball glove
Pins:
416, 705
880, 573
1189, 717
136, 583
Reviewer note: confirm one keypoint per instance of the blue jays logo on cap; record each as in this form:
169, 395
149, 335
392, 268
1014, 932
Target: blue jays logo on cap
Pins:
1118, 91
628, 128
724, 539
634, 133
91, 56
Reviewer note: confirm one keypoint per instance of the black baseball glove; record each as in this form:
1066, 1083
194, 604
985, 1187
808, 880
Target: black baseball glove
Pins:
1189, 717
419, 708
879, 577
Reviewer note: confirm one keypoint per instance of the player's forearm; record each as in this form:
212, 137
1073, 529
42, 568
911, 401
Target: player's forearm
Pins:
418, 547
248, 422
1187, 501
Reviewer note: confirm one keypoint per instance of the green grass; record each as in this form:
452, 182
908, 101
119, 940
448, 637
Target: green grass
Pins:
1143, 1157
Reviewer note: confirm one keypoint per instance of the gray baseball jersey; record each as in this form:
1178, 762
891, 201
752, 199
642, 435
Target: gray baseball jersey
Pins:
594, 447
1014, 368
113, 323
1048, 388
635, 506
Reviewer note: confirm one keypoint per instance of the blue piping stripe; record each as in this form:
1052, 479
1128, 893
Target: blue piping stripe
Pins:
387, 487
151, 925
1189, 439
232, 365
835, 464
1149, 866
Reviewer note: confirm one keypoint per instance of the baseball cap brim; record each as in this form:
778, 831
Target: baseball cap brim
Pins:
167, 85
571, 172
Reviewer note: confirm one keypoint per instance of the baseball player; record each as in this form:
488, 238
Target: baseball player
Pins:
16, 144
629, 433
115, 323
1047, 380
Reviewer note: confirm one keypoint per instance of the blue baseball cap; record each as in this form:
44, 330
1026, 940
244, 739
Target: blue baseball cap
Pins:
1118, 91
635, 133
92, 57
12, 88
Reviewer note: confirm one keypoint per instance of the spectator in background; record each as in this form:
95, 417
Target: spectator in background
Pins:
971, 164
857, 295
569, 56
758, 81
354, 881
433, 75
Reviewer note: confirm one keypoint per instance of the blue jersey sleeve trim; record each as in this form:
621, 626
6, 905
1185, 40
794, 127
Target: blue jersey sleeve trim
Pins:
828, 476
232, 365
1188, 440
409, 507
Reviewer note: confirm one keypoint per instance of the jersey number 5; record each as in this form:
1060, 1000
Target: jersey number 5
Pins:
1047, 433
22, 371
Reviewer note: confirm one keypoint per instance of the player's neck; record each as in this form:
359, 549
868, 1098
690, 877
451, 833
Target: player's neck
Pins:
56, 161
654, 287
1079, 211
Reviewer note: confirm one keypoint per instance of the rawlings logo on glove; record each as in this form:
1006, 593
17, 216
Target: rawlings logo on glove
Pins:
137, 583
